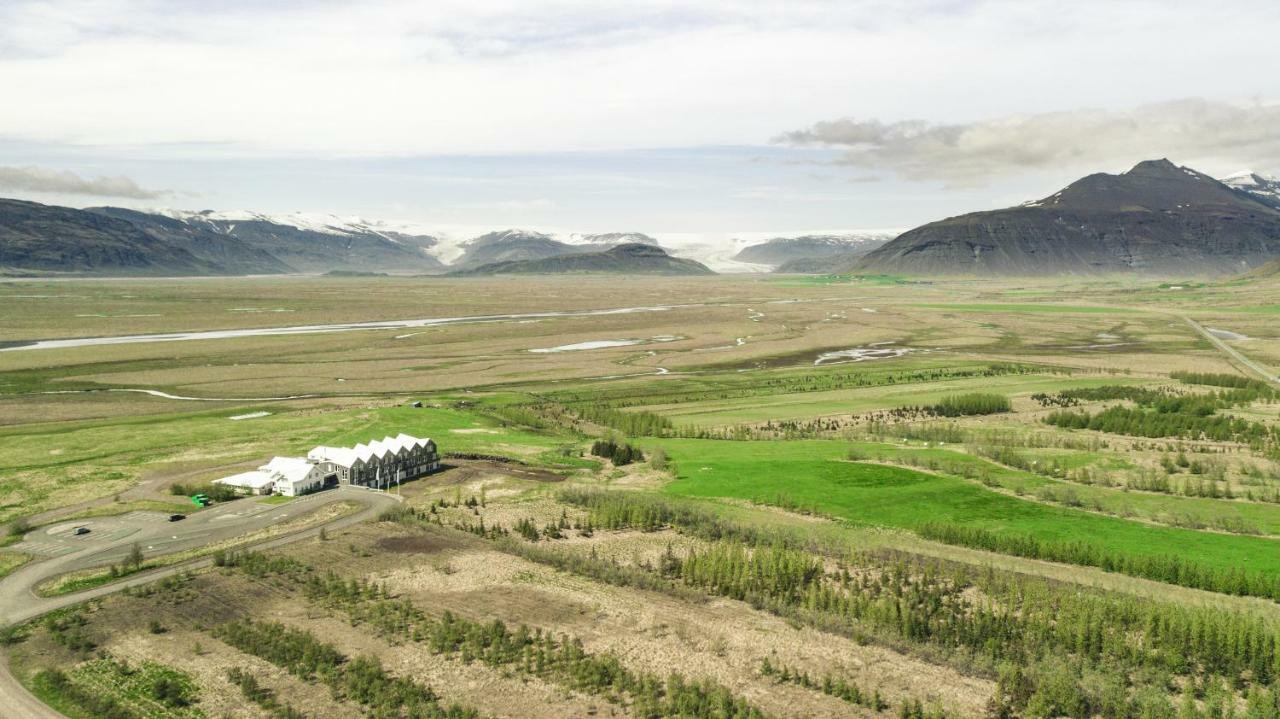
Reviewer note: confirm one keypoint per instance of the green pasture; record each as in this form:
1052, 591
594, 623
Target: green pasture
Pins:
814, 474
1161, 508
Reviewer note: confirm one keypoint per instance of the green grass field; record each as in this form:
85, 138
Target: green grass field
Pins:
813, 474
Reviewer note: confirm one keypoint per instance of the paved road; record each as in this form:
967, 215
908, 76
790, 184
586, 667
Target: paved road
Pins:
1264, 373
18, 602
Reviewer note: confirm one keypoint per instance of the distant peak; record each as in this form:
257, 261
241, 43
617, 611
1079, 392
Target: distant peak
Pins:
1153, 167
637, 249
1248, 179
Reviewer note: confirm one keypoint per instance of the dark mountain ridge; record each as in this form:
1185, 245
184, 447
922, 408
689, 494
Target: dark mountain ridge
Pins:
324, 249
511, 246
779, 251
229, 254
1157, 219
624, 259
48, 238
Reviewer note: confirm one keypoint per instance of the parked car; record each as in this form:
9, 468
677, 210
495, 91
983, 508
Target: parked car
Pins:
177, 517
81, 530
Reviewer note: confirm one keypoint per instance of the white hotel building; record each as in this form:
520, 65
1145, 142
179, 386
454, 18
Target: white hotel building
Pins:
379, 464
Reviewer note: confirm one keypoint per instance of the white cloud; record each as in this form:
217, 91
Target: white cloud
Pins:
39, 179
977, 152
403, 77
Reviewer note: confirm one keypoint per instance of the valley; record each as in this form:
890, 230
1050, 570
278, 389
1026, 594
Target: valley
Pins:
736, 496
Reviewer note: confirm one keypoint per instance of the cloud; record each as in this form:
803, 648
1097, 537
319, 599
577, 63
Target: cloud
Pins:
39, 179
974, 153
172, 79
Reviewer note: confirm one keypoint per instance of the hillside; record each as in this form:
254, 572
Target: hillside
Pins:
623, 259
779, 251
320, 246
821, 265
1268, 271
1157, 219
229, 253
613, 239
510, 246
47, 238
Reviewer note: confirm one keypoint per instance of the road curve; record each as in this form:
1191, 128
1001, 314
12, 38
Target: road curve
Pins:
1262, 372
19, 603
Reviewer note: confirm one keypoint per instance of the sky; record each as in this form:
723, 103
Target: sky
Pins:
706, 118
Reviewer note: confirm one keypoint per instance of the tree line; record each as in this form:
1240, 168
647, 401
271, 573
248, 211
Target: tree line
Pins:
830, 685
1170, 569
1219, 379
532, 652
973, 403
363, 680
1087, 644
254, 691
720, 388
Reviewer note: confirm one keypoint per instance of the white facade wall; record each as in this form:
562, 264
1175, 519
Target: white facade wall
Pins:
384, 462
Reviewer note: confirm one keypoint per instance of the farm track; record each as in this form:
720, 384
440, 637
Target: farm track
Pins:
1262, 372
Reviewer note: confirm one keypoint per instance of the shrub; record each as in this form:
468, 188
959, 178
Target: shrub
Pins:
976, 403
620, 453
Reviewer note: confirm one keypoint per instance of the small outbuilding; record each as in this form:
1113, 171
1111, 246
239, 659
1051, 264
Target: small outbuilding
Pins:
255, 482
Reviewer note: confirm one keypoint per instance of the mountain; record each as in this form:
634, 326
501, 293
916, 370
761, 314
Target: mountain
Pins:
511, 246
320, 244
1262, 188
229, 254
779, 251
1157, 218
632, 259
613, 239
822, 265
48, 238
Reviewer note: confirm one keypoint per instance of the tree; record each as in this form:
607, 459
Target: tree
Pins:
135, 556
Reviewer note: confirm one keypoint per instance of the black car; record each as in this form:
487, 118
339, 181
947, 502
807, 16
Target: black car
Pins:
177, 517
81, 530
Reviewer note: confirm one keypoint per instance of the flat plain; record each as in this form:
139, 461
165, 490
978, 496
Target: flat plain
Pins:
846, 495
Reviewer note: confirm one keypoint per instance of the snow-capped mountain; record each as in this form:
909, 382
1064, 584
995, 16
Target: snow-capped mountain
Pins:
320, 243
613, 239
310, 222
510, 246
1260, 187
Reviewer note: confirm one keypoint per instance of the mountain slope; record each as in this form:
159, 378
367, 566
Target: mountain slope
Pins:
226, 252
1267, 271
511, 246
623, 259
822, 265
1157, 218
48, 238
780, 250
613, 239
319, 246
